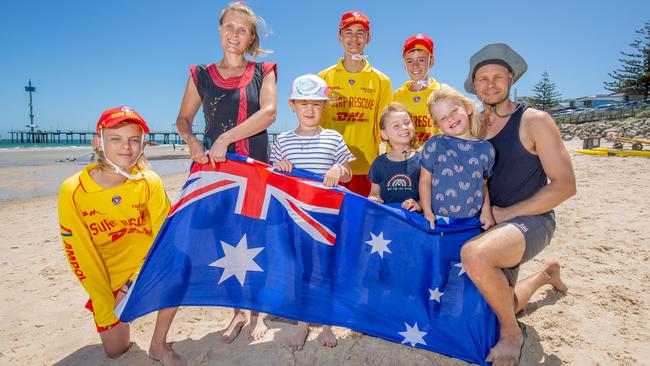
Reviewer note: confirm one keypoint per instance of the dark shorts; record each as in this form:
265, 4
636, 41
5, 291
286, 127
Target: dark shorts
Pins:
538, 231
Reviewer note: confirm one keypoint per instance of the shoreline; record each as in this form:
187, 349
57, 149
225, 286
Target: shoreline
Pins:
39, 172
36, 156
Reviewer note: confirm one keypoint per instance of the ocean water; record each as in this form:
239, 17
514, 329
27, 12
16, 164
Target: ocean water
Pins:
34, 172
7, 144
45, 180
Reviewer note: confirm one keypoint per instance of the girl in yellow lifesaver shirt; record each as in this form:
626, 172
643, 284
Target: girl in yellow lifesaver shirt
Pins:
109, 216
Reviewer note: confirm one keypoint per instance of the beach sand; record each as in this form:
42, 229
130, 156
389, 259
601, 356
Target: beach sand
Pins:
601, 241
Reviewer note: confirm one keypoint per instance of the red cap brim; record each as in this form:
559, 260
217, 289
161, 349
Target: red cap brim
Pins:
116, 121
113, 116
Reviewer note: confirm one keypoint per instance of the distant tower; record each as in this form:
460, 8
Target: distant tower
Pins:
30, 89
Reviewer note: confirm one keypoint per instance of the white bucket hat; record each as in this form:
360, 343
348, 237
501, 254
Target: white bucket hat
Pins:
308, 87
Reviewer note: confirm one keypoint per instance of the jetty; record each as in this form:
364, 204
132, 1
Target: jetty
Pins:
70, 137
85, 137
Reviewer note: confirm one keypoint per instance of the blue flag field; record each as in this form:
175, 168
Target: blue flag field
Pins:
242, 235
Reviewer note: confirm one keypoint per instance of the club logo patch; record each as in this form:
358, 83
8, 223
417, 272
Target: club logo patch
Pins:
116, 200
416, 98
521, 226
351, 81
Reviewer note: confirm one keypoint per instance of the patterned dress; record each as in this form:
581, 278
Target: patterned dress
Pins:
458, 169
229, 102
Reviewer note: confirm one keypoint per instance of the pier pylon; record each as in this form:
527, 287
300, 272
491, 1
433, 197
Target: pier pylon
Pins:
31, 89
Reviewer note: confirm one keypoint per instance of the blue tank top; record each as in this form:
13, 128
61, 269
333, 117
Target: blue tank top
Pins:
518, 174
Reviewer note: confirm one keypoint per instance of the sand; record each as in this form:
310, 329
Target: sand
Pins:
601, 241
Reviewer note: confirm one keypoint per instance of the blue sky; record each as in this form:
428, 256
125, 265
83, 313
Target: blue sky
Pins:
87, 56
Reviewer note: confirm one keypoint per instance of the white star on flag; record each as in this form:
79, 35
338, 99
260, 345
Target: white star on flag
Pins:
443, 218
435, 294
378, 244
413, 335
237, 261
462, 269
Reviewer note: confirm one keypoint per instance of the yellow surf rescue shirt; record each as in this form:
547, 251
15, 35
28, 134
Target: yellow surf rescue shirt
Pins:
416, 103
356, 100
107, 233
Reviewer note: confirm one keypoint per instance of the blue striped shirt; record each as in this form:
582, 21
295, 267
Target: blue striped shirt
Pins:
317, 153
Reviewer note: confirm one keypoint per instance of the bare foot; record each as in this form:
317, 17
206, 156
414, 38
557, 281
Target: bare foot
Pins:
298, 340
507, 351
237, 322
258, 326
327, 338
552, 271
166, 356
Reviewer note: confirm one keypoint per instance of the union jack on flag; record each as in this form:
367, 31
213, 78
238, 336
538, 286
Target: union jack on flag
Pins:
256, 187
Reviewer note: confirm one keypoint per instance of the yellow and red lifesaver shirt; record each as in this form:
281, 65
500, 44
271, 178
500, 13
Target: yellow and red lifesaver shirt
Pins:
416, 103
107, 233
356, 100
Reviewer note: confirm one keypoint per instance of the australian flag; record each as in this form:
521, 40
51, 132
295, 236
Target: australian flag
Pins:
243, 235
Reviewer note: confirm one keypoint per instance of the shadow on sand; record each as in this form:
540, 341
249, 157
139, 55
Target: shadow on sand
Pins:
550, 298
533, 352
272, 350
94, 355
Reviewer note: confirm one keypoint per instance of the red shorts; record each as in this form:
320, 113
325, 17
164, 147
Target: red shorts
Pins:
89, 306
360, 184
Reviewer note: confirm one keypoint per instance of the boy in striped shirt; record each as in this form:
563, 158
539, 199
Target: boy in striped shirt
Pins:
311, 147
317, 150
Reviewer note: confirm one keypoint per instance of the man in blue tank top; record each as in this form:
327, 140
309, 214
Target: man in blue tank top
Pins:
532, 175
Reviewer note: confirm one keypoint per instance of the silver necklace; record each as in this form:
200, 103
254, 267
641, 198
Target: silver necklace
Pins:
306, 141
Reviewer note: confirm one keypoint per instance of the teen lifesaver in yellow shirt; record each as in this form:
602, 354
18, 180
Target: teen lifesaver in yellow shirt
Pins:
358, 93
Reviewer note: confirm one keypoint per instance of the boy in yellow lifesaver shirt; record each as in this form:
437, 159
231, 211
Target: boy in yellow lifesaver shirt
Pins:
358, 93
109, 215
418, 60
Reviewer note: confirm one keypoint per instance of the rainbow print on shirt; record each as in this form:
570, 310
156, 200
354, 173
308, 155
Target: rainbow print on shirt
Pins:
399, 182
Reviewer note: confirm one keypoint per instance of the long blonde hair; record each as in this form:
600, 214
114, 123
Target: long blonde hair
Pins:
140, 164
254, 48
447, 92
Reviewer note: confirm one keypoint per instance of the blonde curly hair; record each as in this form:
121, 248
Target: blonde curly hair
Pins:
447, 92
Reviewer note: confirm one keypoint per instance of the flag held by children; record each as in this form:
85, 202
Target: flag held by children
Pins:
242, 235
